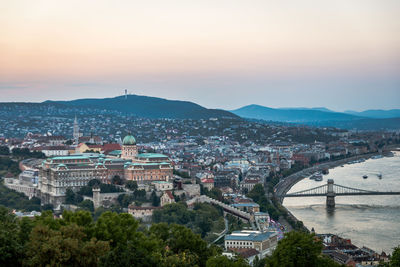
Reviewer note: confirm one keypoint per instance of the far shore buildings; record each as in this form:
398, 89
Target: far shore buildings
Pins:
59, 173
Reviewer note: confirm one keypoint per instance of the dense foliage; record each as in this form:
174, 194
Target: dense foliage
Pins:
201, 219
8, 165
104, 188
4, 150
298, 249
16, 200
112, 240
214, 193
395, 260
258, 195
26, 153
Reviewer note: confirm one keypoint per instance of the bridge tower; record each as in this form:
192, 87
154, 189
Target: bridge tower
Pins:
330, 196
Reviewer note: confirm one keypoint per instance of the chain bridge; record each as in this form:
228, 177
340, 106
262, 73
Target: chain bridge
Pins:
331, 190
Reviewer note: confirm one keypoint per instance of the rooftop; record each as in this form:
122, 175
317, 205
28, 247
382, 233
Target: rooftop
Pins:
70, 157
249, 236
129, 140
251, 204
151, 155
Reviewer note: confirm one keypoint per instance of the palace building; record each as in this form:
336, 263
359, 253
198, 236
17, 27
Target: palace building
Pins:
59, 173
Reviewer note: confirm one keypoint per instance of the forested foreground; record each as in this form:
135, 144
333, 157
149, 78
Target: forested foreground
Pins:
112, 240
119, 240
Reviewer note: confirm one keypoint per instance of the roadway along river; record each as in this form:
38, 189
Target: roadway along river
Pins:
371, 221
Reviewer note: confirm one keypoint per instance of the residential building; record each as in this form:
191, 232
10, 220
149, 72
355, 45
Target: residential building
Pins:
207, 183
162, 185
167, 198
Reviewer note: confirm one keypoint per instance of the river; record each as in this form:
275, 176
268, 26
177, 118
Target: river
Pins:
371, 221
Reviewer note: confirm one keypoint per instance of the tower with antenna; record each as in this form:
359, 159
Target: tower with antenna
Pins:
126, 94
76, 133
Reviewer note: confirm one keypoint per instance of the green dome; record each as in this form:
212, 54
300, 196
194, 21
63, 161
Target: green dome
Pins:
129, 140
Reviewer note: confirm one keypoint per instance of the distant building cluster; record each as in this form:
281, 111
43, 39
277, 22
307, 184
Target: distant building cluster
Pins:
344, 252
184, 160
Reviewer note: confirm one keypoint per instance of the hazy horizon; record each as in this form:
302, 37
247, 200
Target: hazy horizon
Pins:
342, 55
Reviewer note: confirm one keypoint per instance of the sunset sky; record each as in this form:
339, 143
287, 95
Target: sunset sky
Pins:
342, 54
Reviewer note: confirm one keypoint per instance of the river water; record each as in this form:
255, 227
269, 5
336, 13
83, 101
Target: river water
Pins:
371, 221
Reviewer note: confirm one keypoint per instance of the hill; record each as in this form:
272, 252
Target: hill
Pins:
293, 115
377, 113
150, 107
320, 117
366, 124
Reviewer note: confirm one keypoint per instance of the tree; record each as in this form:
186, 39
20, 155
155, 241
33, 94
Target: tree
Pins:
26, 153
117, 180
8, 165
10, 248
215, 193
299, 249
125, 199
395, 259
180, 239
47, 207
94, 182
140, 194
67, 247
87, 205
155, 200
131, 185
69, 196
223, 261
257, 193
69, 142
173, 213
4, 150
17, 200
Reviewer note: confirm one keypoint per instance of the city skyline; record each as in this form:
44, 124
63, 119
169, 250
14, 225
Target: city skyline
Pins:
342, 55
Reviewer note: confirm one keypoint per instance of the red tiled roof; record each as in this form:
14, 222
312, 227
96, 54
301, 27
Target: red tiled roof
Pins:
111, 147
169, 194
243, 200
245, 252
95, 146
205, 180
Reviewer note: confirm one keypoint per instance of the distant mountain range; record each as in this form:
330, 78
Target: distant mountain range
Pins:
153, 107
376, 113
367, 120
150, 107
299, 115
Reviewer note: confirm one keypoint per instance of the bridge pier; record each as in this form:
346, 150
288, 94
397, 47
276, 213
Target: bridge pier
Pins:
330, 196
330, 201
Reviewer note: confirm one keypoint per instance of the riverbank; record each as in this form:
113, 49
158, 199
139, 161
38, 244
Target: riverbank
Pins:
288, 182
370, 221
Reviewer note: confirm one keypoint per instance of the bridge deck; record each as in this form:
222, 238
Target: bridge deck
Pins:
343, 194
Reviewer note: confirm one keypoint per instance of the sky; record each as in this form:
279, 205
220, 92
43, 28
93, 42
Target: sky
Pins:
342, 54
